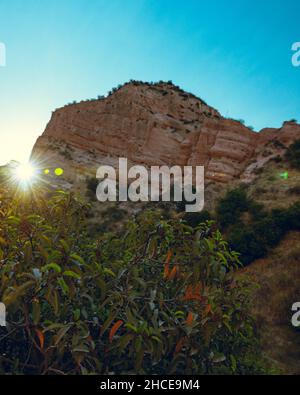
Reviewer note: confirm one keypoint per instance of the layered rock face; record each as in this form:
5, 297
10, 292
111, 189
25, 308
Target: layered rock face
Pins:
152, 124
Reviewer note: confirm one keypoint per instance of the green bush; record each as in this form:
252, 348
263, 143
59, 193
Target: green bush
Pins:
262, 230
293, 154
91, 188
293, 217
268, 231
195, 219
253, 240
157, 298
231, 207
245, 240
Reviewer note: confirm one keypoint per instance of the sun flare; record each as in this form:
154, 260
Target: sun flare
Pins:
25, 173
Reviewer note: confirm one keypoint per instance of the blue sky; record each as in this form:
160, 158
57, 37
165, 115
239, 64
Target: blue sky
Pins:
234, 54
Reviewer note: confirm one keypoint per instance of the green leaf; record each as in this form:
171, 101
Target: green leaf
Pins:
109, 272
108, 322
61, 333
13, 220
218, 358
102, 286
65, 245
233, 363
77, 259
53, 266
70, 273
132, 327
17, 293
63, 285
83, 349
36, 312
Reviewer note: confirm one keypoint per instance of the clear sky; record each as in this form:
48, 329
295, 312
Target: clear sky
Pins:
235, 54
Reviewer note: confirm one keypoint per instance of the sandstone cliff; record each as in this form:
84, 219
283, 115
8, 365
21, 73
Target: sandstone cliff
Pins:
155, 124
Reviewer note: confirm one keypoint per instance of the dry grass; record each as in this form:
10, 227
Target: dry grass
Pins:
271, 189
278, 277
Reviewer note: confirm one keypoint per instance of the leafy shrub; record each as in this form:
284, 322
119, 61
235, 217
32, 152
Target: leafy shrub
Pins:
157, 298
245, 240
195, 219
262, 231
114, 214
293, 217
293, 154
265, 231
231, 207
268, 232
278, 144
257, 210
91, 187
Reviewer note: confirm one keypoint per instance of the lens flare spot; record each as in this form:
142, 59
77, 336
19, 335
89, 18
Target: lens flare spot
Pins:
58, 172
46, 171
284, 175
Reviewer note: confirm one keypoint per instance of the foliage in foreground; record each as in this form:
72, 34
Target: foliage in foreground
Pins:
158, 298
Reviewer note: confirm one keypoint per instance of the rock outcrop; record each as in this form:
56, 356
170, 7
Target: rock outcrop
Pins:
154, 124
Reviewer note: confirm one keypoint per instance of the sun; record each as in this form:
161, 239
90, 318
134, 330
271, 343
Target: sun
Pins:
25, 173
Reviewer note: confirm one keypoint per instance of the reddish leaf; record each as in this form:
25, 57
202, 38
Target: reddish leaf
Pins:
114, 329
167, 264
193, 292
207, 309
169, 257
173, 273
190, 318
41, 337
180, 344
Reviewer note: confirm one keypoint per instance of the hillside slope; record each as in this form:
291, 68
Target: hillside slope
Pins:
278, 277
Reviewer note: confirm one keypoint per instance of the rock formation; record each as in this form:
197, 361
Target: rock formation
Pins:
155, 124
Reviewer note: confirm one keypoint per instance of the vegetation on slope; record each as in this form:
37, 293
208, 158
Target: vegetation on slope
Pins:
278, 276
248, 226
260, 230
